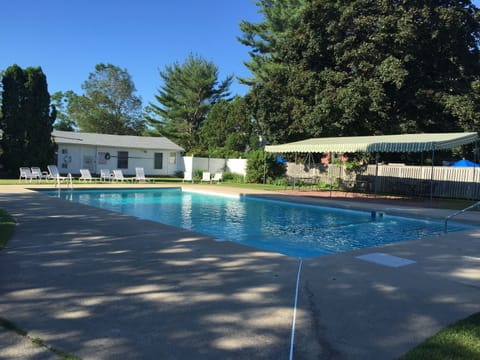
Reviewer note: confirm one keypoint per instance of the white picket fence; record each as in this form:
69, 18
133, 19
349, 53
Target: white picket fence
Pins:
442, 181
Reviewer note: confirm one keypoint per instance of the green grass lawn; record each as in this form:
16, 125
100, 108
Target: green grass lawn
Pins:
460, 341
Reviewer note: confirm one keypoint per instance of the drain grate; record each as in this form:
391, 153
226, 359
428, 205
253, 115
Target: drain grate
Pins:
386, 259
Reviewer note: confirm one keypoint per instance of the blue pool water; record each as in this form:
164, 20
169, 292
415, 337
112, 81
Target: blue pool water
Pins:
292, 229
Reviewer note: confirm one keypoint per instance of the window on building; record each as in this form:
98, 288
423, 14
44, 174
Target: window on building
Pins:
158, 161
172, 159
122, 160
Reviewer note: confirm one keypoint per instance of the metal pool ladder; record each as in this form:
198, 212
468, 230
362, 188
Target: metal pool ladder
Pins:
458, 213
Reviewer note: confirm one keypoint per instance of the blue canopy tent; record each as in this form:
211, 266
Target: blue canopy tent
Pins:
465, 163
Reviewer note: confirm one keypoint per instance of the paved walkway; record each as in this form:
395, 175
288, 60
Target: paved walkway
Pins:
102, 285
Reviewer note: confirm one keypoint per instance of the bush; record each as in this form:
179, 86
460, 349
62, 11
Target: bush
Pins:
280, 182
179, 174
197, 174
233, 178
262, 166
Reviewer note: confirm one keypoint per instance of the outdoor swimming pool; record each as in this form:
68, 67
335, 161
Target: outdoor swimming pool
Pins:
289, 228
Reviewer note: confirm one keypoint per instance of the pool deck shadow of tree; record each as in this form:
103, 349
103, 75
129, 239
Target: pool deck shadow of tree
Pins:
104, 285
99, 284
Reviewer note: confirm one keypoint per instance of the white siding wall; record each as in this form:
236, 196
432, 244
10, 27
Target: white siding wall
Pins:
72, 158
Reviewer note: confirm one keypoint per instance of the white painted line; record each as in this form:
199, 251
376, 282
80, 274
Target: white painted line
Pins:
295, 309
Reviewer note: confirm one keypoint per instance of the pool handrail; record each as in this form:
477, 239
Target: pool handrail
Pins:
458, 213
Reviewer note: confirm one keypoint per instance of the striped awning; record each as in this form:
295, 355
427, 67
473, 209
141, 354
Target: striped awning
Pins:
372, 144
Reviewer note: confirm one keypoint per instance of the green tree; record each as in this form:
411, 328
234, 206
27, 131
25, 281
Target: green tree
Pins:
13, 118
40, 116
189, 91
1, 88
364, 67
61, 100
214, 130
109, 104
27, 119
227, 129
280, 18
261, 166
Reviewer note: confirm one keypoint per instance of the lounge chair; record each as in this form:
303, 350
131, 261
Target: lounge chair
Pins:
38, 174
54, 173
217, 177
206, 177
118, 175
140, 174
187, 176
86, 175
105, 175
26, 173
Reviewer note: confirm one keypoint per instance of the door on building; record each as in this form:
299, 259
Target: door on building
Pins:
88, 163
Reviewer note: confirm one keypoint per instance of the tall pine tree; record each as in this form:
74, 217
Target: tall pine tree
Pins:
187, 95
27, 119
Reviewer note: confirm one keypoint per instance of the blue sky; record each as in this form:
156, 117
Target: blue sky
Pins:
67, 38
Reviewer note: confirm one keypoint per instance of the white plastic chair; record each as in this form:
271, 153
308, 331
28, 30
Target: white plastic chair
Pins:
118, 175
217, 177
38, 174
140, 174
187, 176
105, 175
86, 175
25, 173
54, 173
206, 177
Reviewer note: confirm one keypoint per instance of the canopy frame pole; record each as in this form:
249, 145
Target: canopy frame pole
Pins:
476, 161
432, 174
295, 172
330, 174
331, 170
475, 158
377, 157
264, 166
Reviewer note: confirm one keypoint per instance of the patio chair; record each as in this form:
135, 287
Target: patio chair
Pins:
54, 173
86, 175
105, 175
118, 175
38, 174
140, 174
217, 177
206, 177
25, 173
187, 176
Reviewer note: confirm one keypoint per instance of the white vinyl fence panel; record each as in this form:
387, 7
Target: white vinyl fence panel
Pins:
214, 165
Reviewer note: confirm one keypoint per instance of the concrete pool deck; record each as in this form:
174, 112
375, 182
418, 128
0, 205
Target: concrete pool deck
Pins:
102, 285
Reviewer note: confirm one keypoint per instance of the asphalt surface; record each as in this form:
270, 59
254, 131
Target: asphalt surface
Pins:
103, 285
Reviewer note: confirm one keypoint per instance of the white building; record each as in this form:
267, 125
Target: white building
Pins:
157, 155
